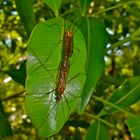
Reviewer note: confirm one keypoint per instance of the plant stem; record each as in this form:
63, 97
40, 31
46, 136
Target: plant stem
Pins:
114, 7
133, 37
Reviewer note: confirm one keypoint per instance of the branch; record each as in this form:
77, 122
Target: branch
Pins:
13, 96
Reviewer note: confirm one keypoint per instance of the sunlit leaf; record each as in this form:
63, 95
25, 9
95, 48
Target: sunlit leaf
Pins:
44, 57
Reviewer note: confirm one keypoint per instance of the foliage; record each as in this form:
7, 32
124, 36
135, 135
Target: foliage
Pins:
4, 125
42, 72
108, 105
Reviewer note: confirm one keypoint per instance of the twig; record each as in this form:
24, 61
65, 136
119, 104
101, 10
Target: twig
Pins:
13, 96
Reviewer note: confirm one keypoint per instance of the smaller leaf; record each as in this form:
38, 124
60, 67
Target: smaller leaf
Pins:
97, 131
54, 5
126, 95
5, 129
19, 75
134, 126
25, 10
96, 38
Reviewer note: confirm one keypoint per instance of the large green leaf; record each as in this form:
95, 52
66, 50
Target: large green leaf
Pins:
134, 126
44, 56
25, 10
97, 131
127, 94
5, 128
54, 5
96, 38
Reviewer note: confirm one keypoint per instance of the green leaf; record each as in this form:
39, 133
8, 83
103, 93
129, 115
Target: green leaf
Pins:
44, 57
19, 75
97, 131
84, 5
96, 39
134, 126
5, 128
25, 10
54, 5
103, 112
126, 95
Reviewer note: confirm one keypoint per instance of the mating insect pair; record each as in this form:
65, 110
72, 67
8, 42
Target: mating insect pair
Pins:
65, 64
51, 94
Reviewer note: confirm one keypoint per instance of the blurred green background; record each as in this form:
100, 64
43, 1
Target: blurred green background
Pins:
17, 19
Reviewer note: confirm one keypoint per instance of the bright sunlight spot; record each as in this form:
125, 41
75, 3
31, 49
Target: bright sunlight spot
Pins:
6, 80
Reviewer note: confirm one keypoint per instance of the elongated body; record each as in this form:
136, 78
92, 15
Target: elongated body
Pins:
68, 44
65, 64
63, 77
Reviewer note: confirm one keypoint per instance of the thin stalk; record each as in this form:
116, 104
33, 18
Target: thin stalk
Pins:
133, 37
114, 7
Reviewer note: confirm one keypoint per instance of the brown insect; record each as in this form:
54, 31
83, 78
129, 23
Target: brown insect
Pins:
68, 44
65, 65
